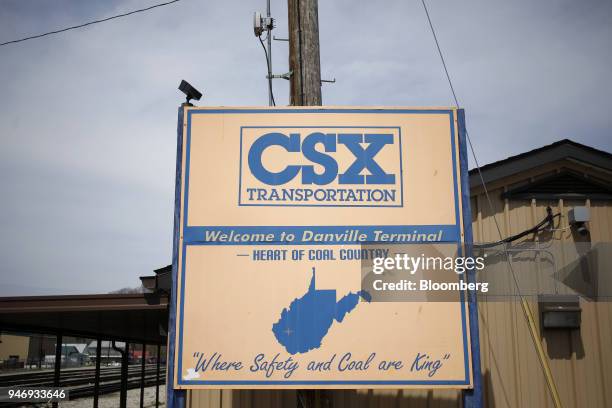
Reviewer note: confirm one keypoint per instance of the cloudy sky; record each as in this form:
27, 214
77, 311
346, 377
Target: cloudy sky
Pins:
88, 117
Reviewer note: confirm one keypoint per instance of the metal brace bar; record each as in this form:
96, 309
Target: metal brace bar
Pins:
286, 75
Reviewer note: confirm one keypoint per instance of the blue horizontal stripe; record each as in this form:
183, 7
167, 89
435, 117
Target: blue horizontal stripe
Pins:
198, 235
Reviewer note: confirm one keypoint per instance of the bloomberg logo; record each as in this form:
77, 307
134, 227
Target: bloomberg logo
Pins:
321, 166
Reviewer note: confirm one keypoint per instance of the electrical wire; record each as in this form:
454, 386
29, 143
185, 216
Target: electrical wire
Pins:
545, 225
478, 169
486, 191
433, 31
524, 305
269, 71
88, 23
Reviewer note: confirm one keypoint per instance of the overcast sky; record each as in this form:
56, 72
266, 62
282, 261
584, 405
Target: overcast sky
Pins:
88, 117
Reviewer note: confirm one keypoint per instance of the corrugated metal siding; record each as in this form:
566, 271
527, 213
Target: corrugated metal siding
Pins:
581, 361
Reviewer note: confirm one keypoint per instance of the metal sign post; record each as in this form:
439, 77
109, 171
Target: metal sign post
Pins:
175, 398
472, 398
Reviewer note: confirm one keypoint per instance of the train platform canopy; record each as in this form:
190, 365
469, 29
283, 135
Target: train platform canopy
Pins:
138, 318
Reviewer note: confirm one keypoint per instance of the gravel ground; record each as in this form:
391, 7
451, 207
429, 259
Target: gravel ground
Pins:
112, 400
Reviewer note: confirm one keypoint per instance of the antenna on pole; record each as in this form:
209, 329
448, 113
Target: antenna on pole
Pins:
261, 24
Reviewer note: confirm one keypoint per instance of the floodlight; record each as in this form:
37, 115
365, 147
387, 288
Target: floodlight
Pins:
189, 91
560, 311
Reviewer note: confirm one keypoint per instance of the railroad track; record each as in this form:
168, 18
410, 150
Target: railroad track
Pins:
80, 382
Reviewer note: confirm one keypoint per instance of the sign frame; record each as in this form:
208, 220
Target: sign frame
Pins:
462, 222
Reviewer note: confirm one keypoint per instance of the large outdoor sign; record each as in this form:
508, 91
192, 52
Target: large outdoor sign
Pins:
281, 210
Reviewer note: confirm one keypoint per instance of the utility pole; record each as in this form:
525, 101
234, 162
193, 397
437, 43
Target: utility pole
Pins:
305, 90
304, 55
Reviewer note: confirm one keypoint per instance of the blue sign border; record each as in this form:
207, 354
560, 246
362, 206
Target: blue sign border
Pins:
458, 214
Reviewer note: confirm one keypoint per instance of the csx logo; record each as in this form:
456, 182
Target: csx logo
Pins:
319, 148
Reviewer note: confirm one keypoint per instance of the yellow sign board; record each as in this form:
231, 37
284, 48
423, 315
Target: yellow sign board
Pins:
281, 209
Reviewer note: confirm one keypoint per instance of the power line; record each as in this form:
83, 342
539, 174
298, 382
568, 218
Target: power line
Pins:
269, 71
433, 31
450, 83
482, 182
89, 23
524, 305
